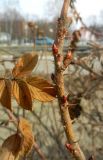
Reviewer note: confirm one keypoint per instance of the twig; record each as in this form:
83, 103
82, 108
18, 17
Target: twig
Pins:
55, 138
82, 64
63, 104
78, 17
38, 150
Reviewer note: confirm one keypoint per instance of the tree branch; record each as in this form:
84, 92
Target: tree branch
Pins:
73, 145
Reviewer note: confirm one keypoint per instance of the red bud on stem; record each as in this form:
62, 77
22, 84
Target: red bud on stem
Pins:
55, 49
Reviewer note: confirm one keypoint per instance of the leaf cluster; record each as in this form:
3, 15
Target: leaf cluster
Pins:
24, 87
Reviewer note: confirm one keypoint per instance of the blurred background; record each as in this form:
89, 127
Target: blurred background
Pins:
15, 14
30, 26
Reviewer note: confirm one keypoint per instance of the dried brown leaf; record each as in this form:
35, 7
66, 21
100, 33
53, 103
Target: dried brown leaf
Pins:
13, 145
22, 94
17, 144
25, 65
41, 89
5, 93
6, 155
28, 138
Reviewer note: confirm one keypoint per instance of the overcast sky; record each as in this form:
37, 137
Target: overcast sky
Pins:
40, 8
85, 7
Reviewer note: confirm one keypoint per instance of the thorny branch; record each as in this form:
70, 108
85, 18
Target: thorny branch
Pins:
73, 145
